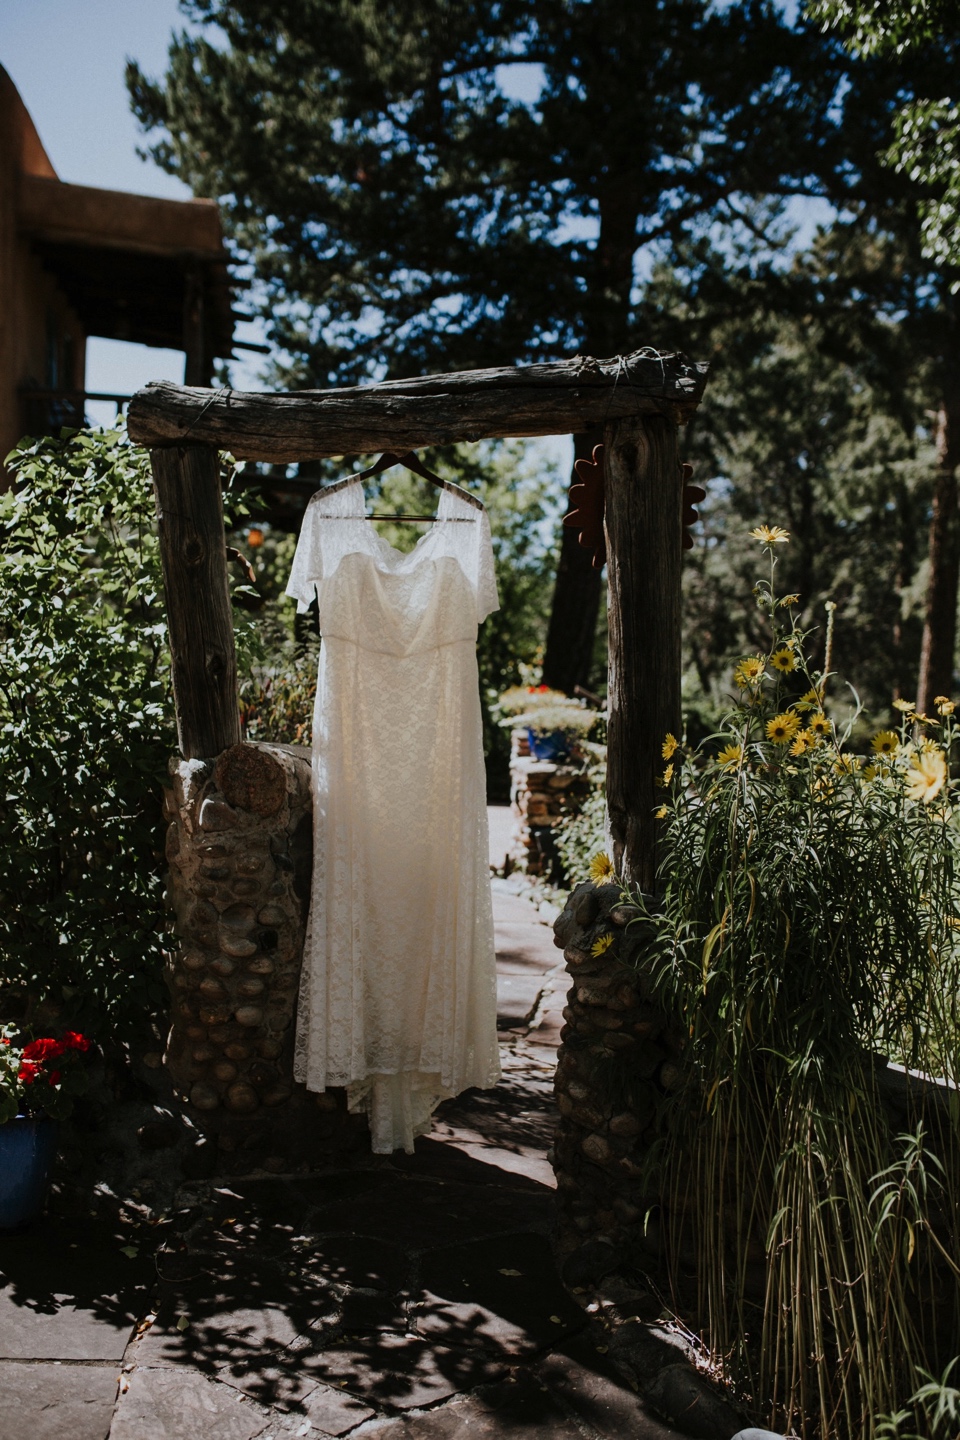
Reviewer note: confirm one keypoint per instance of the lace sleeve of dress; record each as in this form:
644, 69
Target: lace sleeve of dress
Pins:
487, 598
321, 546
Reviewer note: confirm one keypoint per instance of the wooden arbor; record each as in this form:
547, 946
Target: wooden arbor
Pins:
634, 403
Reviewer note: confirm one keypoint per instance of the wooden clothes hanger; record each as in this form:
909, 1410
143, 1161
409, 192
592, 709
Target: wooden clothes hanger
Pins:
413, 464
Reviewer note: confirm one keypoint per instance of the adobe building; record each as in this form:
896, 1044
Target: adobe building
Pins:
78, 261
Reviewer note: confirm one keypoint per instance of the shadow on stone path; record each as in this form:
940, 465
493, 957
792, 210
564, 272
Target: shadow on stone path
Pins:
407, 1298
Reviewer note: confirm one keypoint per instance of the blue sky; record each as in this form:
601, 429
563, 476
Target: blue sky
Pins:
67, 57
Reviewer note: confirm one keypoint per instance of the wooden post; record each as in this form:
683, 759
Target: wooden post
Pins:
193, 551
644, 535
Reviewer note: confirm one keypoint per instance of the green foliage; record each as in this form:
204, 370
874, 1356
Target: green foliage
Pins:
808, 925
403, 210
820, 414
926, 142
86, 726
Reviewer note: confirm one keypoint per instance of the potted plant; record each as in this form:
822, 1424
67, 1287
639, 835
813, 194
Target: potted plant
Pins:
552, 720
38, 1081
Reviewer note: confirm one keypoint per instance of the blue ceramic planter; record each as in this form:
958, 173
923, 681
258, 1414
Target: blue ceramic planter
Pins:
28, 1148
555, 746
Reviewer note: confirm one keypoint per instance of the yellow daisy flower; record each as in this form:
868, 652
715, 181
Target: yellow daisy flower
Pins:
601, 869
666, 777
819, 725
748, 672
782, 728
812, 699
669, 746
730, 756
846, 764
885, 742
905, 706
784, 660
770, 535
601, 946
661, 814
926, 776
944, 705
805, 741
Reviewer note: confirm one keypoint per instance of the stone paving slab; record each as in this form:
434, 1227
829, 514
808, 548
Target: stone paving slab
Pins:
68, 1291
502, 1293
518, 1408
51, 1401
183, 1405
402, 1372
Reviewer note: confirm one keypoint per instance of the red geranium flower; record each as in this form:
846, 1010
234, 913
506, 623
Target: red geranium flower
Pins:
72, 1040
46, 1049
28, 1072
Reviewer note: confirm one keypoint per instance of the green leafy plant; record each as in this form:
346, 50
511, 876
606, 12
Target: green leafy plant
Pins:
806, 931
86, 726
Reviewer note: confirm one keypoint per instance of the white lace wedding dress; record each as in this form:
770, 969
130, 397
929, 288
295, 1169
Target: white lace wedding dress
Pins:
398, 989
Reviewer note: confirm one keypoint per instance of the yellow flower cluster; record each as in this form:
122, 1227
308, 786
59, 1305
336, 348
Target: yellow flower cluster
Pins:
669, 746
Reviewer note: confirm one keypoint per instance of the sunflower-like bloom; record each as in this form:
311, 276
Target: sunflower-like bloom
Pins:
730, 756
661, 813
666, 777
885, 742
847, 764
601, 869
819, 725
748, 672
806, 740
926, 776
811, 701
945, 706
669, 746
770, 535
784, 660
904, 706
782, 728
602, 945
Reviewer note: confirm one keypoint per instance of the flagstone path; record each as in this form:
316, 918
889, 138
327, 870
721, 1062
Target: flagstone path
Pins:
407, 1298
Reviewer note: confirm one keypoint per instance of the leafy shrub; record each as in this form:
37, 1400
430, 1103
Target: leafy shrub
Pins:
86, 726
809, 927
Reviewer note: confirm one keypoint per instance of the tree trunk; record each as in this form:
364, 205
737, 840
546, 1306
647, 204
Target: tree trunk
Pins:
572, 632
644, 541
568, 658
940, 621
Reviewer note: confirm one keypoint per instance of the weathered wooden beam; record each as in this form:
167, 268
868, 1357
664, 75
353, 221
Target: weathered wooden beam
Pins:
556, 399
643, 519
193, 553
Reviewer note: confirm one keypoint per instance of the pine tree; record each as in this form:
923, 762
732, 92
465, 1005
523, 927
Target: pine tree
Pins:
401, 212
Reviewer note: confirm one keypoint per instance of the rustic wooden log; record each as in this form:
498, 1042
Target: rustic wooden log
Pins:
643, 518
193, 552
555, 399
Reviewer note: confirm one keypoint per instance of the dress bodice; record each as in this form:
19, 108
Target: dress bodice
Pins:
386, 600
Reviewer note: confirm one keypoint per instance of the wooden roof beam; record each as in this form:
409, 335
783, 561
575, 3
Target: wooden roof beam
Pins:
550, 399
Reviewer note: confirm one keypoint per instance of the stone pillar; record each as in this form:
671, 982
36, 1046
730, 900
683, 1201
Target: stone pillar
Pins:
616, 1063
239, 847
542, 794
